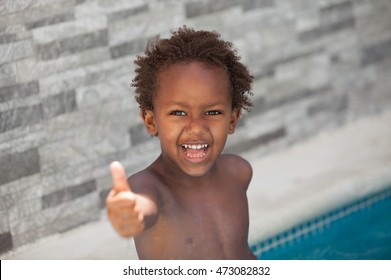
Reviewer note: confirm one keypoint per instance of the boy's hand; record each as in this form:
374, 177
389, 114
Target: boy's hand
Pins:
122, 206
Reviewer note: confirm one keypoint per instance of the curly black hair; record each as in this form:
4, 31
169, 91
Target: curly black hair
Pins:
187, 45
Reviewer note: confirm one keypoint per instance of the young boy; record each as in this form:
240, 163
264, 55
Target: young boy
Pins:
191, 202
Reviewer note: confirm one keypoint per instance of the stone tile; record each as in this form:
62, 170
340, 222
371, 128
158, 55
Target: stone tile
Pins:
163, 18
106, 91
33, 11
105, 7
128, 12
299, 55
6, 242
336, 12
93, 169
277, 35
129, 48
14, 32
240, 123
56, 219
8, 38
86, 148
249, 144
104, 182
259, 105
102, 198
22, 116
46, 217
18, 91
120, 32
76, 60
4, 224
23, 68
73, 29
21, 139
376, 53
295, 96
30, 184
55, 105
17, 203
249, 5
332, 19
87, 75
19, 165
334, 105
112, 117
68, 194
263, 72
24, 208
197, 8
50, 20
313, 34
194, 9
372, 21
72, 45
8, 74
14, 6
139, 134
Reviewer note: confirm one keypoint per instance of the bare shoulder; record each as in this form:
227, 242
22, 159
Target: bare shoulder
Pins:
145, 182
236, 162
237, 165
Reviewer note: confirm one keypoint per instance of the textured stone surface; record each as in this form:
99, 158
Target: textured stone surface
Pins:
129, 48
19, 165
72, 45
67, 108
139, 134
68, 194
55, 219
16, 50
23, 116
5, 242
376, 53
50, 20
18, 91
252, 143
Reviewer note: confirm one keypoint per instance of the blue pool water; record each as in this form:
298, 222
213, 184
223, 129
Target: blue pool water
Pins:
358, 231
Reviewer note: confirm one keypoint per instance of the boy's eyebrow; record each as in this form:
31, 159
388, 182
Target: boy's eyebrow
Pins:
183, 104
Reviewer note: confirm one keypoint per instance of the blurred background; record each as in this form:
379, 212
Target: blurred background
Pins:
318, 136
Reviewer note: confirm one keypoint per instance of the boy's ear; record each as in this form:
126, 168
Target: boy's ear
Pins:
235, 115
150, 122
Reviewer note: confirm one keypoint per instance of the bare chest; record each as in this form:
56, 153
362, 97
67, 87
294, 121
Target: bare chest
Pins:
200, 227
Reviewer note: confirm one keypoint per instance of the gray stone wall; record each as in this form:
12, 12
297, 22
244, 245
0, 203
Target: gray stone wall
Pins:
67, 110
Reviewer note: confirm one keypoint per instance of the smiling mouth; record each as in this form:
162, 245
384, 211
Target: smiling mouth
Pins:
195, 151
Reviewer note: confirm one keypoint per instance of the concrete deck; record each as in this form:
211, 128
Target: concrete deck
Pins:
288, 187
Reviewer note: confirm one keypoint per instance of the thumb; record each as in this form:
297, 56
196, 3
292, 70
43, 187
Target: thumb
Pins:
120, 183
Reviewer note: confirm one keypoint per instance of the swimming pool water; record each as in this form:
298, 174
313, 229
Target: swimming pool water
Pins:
358, 231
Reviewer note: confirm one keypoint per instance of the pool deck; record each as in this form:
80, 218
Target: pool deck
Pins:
288, 187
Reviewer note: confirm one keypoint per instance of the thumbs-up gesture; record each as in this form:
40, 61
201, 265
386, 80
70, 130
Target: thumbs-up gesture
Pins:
122, 204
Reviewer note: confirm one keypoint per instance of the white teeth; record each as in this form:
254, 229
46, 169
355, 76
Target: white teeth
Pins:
195, 147
194, 156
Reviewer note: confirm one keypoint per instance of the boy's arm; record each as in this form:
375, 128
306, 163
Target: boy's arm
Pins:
128, 212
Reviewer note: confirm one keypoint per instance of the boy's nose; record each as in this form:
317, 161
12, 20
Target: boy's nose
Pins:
196, 126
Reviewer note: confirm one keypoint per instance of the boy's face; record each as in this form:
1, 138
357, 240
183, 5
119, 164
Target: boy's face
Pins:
192, 115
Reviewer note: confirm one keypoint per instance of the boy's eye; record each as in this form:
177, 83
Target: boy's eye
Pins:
178, 113
213, 113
